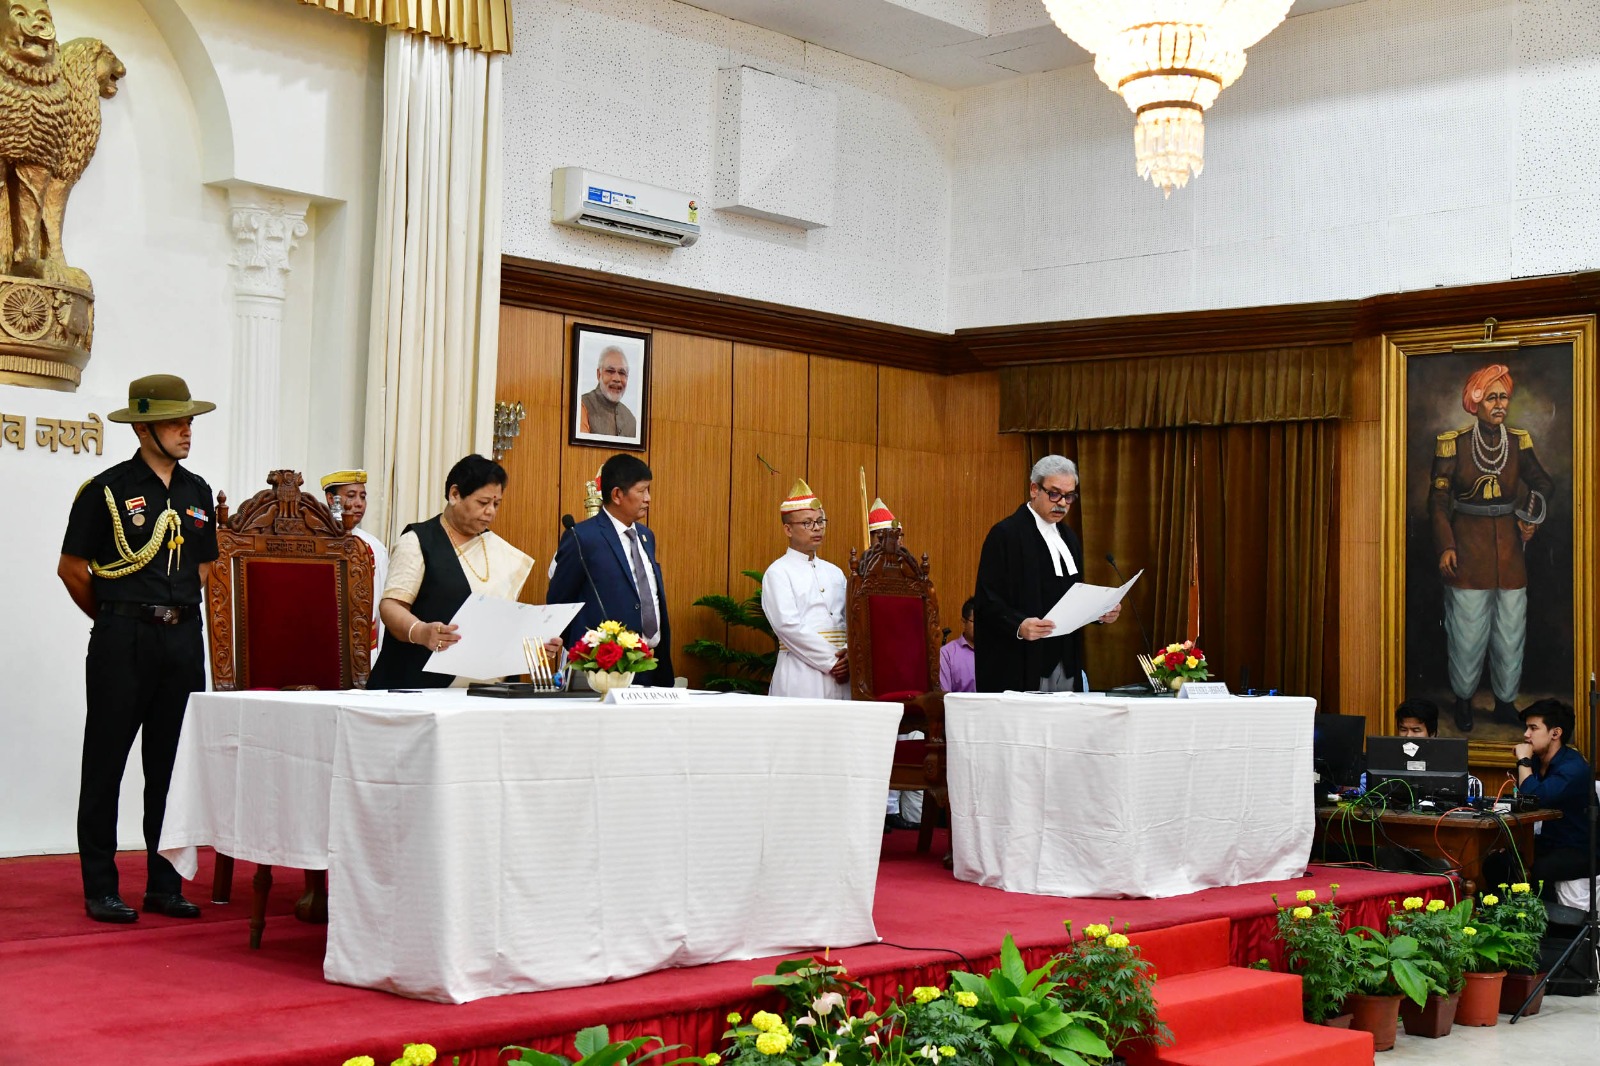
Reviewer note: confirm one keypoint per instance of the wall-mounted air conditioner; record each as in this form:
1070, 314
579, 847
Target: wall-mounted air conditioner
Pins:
602, 203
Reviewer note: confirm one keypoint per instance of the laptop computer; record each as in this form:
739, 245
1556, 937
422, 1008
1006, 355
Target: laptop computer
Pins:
1407, 770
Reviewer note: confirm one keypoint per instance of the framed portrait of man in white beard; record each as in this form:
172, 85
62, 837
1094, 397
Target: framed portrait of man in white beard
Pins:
608, 387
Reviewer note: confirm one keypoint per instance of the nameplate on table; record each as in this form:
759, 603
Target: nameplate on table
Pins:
1203, 690
646, 695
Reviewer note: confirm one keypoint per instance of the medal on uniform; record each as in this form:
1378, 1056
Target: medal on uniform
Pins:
137, 519
198, 515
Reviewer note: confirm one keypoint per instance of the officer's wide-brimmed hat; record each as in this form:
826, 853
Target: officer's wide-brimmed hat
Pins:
157, 398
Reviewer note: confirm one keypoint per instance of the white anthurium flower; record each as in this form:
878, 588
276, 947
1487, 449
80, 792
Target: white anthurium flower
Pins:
825, 1003
871, 1038
807, 1020
833, 1054
844, 1028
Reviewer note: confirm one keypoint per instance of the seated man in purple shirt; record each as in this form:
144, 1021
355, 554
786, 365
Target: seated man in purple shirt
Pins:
956, 670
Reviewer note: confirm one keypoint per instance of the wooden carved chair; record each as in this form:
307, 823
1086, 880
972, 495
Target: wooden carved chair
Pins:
893, 618
289, 606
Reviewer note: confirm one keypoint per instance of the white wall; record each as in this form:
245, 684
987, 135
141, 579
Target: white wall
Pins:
1379, 147
629, 88
218, 92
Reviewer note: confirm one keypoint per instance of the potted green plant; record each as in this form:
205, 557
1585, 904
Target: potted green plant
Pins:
1314, 949
1487, 948
1026, 1018
1103, 973
737, 669
596, 1048
1520, 912
1385, 969
1436, 927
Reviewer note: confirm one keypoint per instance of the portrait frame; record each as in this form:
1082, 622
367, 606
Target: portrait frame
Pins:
1552, 363
591, 343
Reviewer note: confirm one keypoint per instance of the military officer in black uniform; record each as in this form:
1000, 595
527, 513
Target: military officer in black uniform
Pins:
136, 556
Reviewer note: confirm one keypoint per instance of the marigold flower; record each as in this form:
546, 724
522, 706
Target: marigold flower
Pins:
773, 1043
1522, 914
1306, 895
360, 1060
946, 1050
421, 1054
1095, 932
1301, 912
1435, 905
1467, 930
1520, 886
966, 999
925, 993
1116, 940
1333, 888
735, 1018
1413, 903
712, 1059
1490, 901
766, 1021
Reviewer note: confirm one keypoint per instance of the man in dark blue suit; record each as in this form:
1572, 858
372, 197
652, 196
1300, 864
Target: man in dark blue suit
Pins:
623, 578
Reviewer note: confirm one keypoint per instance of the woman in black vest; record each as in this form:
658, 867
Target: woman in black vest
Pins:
436, 565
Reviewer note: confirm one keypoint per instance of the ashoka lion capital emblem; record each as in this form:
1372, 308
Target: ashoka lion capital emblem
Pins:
49, 125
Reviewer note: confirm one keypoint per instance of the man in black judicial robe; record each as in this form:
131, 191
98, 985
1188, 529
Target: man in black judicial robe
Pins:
1030, 559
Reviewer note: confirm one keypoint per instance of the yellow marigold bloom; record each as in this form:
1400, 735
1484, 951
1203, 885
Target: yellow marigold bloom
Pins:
1306, 895
946, 1050
925, 993
1301, 912
1435, 905
1467, 930
966, 999
1522, 914
1413, 903
1116, 940
712, 1059
772, 1043
628, 640
1191, 662
766, 1021
360, 1060
1095, 932
734, 1018
421, 1054
1520, 886
1490, 901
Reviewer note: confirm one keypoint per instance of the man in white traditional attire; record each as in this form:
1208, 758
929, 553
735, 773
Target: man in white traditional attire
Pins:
346, 491
803, 598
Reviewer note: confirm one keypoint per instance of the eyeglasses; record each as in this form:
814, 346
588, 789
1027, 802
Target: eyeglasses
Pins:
1070, 496
811, 524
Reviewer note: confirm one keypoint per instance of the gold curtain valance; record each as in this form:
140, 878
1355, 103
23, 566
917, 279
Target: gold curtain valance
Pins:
1214, 389
481, 24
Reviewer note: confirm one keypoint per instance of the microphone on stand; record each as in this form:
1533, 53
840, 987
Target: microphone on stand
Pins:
567, 524
1149, 649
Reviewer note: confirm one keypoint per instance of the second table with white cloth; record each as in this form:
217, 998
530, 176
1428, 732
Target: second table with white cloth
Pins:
478, 847
1091, 796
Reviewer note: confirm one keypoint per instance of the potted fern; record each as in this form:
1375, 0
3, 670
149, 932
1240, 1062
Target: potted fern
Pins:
734, 669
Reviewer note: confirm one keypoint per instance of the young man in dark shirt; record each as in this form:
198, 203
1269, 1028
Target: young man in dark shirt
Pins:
1558, 778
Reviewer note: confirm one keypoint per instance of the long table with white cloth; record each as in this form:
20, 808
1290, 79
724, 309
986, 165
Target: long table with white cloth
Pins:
1093, 796
478, 847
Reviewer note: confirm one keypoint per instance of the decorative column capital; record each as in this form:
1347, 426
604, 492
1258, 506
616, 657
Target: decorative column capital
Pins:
266, 227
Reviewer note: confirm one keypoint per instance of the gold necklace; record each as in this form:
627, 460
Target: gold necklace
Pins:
461, 553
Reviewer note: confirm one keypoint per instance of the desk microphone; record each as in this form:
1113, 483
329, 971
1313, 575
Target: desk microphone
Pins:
1149, 649
568, 524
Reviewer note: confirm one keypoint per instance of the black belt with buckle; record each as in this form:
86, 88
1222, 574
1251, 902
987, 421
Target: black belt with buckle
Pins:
157, 614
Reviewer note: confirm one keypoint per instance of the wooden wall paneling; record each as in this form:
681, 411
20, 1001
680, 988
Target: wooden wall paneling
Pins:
1359, 538
987, 471
529, 371
843, 440
912, 477
690, 455
770, 419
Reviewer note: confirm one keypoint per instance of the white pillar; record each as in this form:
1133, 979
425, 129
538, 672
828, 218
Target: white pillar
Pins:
267, 226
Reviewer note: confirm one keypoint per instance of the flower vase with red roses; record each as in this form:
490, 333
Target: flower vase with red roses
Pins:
610, 654
1177, 663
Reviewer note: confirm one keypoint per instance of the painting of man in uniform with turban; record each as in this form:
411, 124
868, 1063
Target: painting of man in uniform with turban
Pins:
1490, 533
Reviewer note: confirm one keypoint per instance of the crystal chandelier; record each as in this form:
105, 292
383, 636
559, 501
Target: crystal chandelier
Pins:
1169, 59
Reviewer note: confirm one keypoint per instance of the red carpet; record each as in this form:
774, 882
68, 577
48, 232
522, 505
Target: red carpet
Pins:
179, 993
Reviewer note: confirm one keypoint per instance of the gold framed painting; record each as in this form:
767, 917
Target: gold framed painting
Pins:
1489, 531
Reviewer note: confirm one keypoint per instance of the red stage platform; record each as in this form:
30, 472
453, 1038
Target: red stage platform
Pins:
191, 993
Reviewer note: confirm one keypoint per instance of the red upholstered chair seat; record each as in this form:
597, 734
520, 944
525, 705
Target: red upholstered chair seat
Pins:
291, 630
899, 647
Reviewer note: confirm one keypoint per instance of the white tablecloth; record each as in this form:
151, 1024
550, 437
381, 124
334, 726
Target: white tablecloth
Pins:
477, 847
1086, 796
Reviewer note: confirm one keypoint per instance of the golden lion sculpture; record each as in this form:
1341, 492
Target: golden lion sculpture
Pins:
49, 126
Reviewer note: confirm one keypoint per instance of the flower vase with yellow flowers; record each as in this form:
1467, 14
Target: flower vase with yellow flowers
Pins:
1177, 663
609, 655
